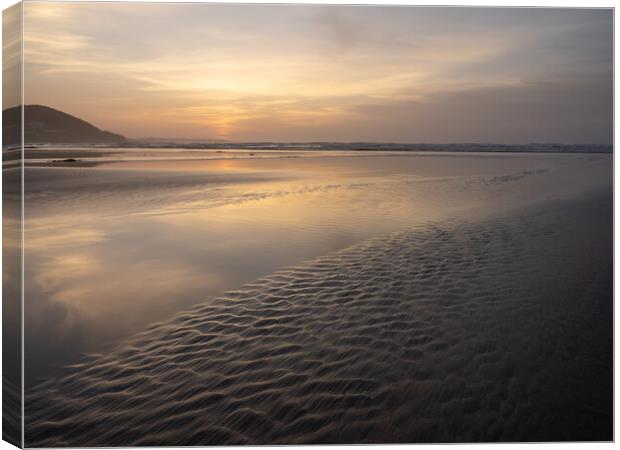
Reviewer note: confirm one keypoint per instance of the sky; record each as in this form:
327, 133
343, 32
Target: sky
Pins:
325, 73
11, 56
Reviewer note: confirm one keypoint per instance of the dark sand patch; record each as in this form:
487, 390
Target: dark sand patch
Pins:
498, 330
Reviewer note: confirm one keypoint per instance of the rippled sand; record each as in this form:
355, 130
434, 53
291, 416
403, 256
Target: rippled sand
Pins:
457, 330
11, 410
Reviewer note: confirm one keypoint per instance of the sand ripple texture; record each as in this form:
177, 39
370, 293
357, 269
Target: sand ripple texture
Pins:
11, 410
452, 332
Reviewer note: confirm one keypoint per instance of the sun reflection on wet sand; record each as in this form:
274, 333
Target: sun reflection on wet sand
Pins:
115, 248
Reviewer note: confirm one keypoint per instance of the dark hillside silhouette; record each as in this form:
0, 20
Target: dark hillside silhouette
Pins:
48, 125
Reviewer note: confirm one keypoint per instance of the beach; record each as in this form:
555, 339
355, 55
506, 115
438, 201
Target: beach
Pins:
296, 224
336, 298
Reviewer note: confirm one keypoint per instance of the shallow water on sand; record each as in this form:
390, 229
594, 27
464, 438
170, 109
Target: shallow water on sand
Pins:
125, 242
458, 331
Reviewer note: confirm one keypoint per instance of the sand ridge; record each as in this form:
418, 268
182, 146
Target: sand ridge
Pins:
498, 330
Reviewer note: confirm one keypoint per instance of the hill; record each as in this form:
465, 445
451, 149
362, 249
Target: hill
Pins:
45, 125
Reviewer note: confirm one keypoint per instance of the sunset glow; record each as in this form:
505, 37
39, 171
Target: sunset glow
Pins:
341, 73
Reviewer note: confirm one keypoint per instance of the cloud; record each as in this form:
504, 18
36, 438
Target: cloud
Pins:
296, 72
11, 56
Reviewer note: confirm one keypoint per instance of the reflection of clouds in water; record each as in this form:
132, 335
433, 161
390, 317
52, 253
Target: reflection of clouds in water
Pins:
84, 296
81, 282
91, 283
11, 300
61, 237
117, 259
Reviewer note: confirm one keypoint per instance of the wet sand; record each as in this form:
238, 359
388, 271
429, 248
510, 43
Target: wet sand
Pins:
114, 248
495, 328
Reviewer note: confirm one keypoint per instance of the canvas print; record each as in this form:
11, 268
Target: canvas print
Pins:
243, 224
